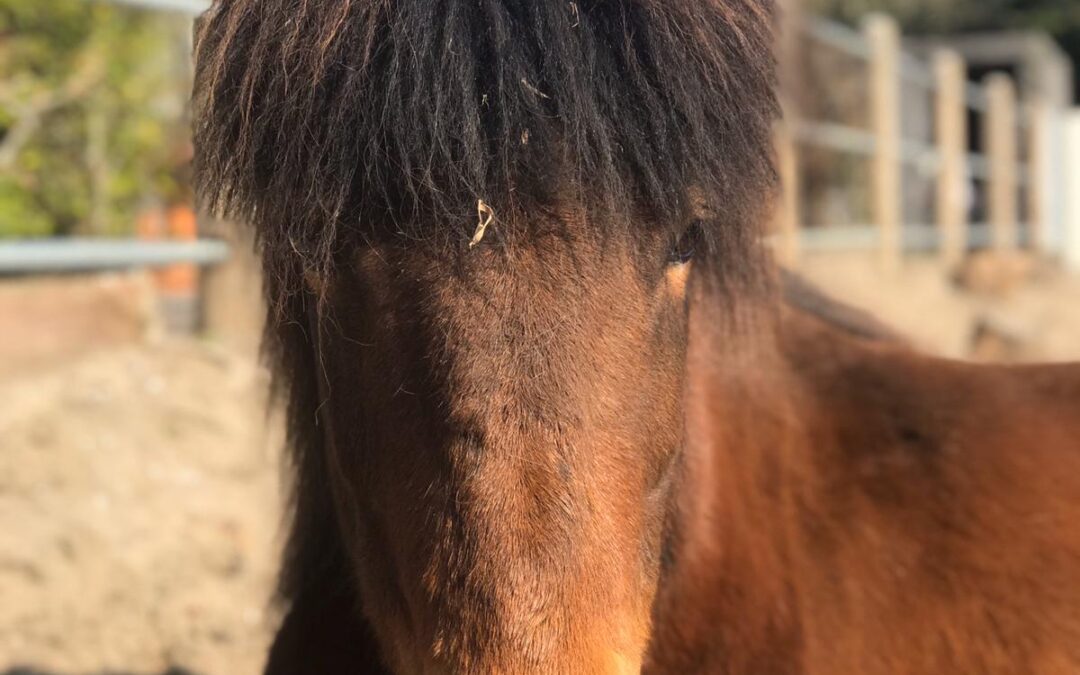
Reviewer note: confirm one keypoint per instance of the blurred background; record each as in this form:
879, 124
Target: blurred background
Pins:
930, 158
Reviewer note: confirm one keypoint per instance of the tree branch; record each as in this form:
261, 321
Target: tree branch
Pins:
30, 114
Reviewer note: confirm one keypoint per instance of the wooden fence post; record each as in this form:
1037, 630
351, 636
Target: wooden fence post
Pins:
1071, 231
883, 36
950, 75
788, 215
1038, 181
1001, 149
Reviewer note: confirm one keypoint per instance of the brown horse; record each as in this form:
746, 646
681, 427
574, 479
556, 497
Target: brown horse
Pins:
549, 412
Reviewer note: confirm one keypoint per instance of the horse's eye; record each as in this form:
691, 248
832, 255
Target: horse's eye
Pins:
682, 251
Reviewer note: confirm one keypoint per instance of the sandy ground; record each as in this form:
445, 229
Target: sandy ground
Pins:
139, 513
1037, 312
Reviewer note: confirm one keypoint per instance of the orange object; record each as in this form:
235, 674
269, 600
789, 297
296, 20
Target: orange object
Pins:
151, 225
182, 279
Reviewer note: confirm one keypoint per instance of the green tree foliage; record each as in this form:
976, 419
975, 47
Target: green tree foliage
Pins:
1059, 18
92, 115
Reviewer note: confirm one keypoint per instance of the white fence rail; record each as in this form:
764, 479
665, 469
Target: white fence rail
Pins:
1016, 142
85, 255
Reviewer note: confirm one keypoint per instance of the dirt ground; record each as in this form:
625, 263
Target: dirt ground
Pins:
49, 320
1001, 314
140, 500
139, 511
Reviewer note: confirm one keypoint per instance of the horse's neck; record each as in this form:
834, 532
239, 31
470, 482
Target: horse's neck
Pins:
732, 553
823, 464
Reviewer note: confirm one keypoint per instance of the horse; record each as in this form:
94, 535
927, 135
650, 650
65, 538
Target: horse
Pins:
552, 408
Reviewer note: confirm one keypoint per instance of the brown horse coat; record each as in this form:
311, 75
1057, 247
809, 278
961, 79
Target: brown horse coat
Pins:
851, 506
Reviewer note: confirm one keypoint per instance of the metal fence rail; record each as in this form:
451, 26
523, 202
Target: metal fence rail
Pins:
84, 255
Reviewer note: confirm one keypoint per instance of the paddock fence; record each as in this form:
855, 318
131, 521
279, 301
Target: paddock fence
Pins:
891, 153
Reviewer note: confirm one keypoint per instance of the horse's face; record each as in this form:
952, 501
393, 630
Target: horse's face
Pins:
504, 424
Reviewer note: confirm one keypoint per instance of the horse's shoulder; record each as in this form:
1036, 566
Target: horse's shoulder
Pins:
921, 474
929, 435
881, 388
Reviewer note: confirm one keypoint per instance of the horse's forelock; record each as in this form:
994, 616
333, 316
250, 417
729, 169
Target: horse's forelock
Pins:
314, 116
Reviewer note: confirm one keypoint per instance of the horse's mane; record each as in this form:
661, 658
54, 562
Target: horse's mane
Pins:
324, 122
